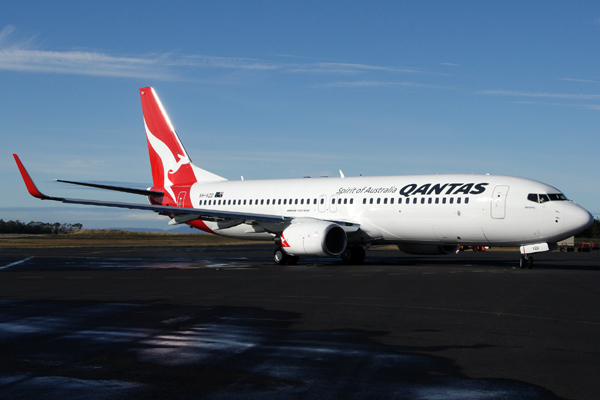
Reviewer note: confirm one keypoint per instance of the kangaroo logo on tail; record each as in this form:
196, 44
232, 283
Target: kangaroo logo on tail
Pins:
170, 162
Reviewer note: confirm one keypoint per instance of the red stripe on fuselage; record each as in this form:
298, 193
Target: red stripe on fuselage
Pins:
198, 224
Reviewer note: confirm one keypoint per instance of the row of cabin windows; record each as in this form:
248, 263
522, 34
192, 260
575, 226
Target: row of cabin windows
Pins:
257, 202
415, 200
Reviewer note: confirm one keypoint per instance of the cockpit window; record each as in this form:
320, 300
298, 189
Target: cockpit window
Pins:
542, 198
557, 197
532, 197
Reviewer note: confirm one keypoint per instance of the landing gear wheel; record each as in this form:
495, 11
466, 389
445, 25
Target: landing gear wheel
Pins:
353, 255
526, 261
280, 257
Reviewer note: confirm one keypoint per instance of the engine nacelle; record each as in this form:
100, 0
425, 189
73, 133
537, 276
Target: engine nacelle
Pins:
427, 249
314, 238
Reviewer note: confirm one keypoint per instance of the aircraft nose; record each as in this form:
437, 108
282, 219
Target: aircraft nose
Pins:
576, 218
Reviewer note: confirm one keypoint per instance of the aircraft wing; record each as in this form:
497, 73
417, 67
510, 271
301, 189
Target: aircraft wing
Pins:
203, 214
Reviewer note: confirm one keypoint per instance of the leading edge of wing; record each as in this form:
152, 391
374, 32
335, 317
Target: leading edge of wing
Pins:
177, 210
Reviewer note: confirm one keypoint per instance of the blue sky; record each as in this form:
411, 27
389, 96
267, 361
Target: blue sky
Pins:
281, 89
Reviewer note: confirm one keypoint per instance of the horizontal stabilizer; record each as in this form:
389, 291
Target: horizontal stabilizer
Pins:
116, 188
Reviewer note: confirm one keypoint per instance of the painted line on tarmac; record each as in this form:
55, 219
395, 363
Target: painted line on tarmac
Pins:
16, 263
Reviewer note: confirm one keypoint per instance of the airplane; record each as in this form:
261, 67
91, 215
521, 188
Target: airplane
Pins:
343, 216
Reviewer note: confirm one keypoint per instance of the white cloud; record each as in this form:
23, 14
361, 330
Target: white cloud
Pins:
578, 80
371, 84
24, 56
545, 95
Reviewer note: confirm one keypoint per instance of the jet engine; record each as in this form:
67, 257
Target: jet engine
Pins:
427, 249
314, 238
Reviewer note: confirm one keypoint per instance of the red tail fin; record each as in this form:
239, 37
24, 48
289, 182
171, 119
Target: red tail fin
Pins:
169, 160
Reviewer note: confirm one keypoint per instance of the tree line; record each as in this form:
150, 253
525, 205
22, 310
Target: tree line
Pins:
37, 227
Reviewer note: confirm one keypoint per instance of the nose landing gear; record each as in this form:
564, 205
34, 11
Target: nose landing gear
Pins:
526, 261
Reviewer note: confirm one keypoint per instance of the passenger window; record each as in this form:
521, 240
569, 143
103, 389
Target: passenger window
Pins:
229, 203
437, 200
385, 201
392, 200
422, 200
351, 201
296, 201
532, 197
345, 201
301, 201
415, 200
322, 201
429, 200
444, 200
268, 201
458, 200
365, 200
544, 198
400, 200
378, 200
332, 201
250, 202
371, 200
339, 201
466, 200
279, 201
284, 201
244, 201
220, 202
262, 201
451, 200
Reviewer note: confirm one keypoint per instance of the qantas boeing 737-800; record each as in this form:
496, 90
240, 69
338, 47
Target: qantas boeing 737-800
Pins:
328, 217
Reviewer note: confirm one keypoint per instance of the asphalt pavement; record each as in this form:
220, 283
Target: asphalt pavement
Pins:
226, 323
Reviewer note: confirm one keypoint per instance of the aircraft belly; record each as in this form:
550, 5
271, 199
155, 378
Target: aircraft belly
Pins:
241, 231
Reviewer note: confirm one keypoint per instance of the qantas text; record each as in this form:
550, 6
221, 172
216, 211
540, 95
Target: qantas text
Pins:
426, 189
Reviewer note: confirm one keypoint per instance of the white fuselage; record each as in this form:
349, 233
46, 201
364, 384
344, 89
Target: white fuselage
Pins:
421, 209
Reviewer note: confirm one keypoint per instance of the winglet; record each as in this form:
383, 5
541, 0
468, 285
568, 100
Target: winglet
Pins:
33, 190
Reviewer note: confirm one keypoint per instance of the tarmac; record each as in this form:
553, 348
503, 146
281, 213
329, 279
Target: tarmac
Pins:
227, 323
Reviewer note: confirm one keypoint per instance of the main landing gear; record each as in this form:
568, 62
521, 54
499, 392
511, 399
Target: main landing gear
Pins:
353, 255
526, 261
281, 257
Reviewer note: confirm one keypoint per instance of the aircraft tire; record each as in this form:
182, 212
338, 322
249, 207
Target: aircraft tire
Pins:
522, 262
293, 260
280, 257
530, 262
353, 255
